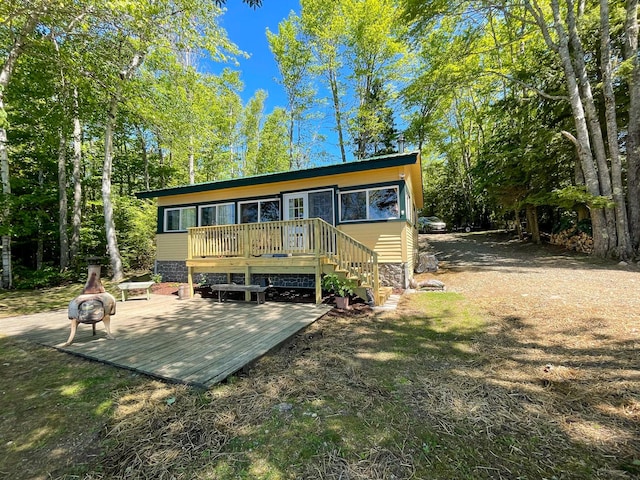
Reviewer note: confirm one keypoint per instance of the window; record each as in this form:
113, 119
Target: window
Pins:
223, 214
260, 211
370, 204
179, 219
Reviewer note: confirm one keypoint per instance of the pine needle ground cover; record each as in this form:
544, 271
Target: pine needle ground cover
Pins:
461, 384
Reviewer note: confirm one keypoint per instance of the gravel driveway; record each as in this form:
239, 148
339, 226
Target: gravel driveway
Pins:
543, 278
560, 326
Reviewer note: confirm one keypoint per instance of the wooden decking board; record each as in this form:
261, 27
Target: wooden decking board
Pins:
195, 341
236, 364
246, 348
202, 346
241, 341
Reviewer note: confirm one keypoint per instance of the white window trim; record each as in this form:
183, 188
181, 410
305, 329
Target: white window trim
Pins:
200, 207
166, 215
258, 201
366, 190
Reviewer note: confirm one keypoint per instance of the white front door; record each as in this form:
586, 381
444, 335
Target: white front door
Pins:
296, 207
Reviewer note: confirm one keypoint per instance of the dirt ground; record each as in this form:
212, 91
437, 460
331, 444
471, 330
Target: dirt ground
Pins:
560, 293
564, 325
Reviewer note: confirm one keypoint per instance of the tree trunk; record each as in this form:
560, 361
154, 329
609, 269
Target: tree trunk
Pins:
593, 121
601, 239
5, 214
109, 224
62, 201
192, 162
5, 176
516, 214
160, 160
633, 134
624, 247
532, 223
291, 128
145, 158
333, 83
77, 179
110, 228
40, 215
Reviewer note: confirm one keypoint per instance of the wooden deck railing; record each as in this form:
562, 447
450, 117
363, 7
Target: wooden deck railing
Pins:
297, 237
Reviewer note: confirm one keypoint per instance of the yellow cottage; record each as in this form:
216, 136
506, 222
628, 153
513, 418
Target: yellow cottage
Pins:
289, 228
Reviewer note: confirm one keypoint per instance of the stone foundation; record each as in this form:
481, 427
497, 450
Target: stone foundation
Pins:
171, 271
292, 280
395, 275
176, 271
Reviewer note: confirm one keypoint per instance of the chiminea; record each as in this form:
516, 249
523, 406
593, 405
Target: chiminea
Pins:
92, 306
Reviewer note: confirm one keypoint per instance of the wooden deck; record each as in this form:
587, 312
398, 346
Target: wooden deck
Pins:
198, 341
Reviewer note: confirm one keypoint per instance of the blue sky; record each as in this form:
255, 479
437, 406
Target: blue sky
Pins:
246, 27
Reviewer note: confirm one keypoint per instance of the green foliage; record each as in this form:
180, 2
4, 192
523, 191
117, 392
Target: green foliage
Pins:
136, 226
273, 153
341, 286
569, 196
46, 277
294, 63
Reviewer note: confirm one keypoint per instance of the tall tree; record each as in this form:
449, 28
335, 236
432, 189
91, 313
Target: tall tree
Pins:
25, 25
272, 152
567, 30
324, 25
373, 53
294, 64
250, 130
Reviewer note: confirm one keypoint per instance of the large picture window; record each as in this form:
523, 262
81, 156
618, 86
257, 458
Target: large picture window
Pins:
260, 211
223, 214
369, 204
179, 219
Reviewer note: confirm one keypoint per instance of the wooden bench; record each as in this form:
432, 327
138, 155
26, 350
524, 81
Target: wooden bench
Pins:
125, 287
232, 287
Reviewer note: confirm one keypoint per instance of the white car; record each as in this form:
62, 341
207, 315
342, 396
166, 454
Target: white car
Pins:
431, 225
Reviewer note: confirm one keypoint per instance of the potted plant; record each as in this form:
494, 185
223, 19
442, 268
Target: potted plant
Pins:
340, 286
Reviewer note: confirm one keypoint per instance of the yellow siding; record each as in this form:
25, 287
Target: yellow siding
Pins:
171, 246
390, 174
393, 241
385, 238
412, 245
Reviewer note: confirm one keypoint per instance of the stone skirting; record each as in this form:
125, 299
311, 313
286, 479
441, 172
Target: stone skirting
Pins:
171, 270
395, 275
176, 271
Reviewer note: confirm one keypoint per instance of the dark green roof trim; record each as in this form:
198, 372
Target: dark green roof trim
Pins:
373, 163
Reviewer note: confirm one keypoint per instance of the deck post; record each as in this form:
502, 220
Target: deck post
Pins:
376, 280
247, 281
190, 279
319, 281
317, 227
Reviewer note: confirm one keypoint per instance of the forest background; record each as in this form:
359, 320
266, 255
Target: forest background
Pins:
520, 108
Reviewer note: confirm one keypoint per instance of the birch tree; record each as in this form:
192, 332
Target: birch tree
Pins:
136, 31
294, 64
323, 23
599, 147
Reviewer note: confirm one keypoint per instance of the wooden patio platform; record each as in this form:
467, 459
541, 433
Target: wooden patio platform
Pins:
197, 341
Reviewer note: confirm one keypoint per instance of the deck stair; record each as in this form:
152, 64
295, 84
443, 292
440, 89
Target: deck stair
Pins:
292, 246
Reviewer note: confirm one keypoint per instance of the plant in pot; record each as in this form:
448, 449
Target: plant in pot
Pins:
340, 286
